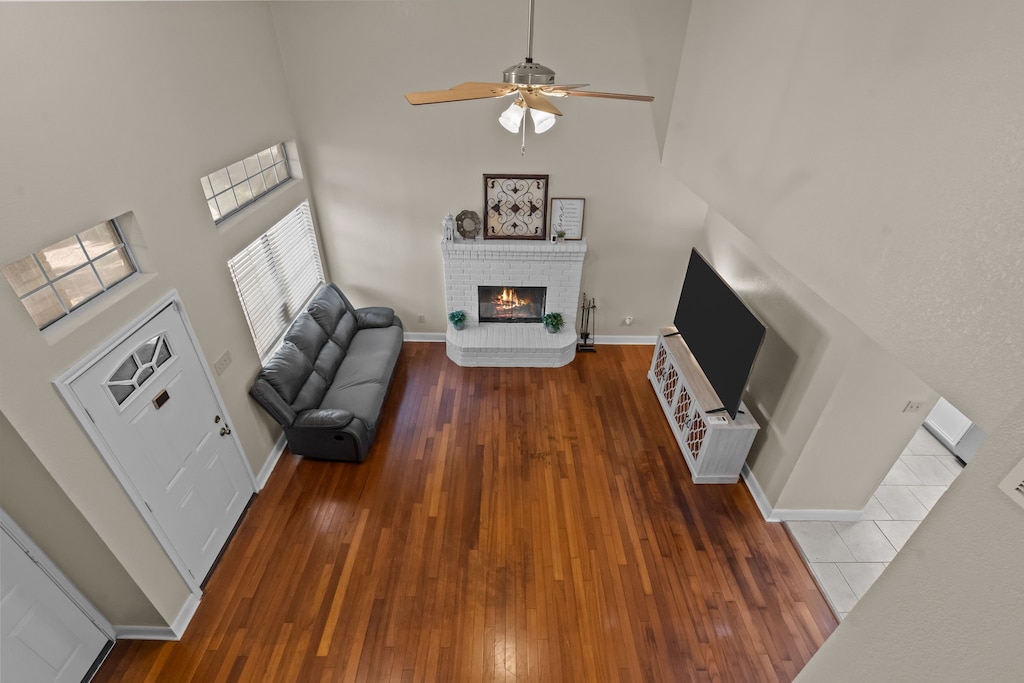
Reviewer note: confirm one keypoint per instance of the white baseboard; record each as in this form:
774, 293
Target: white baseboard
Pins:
598, 339
755, 490
424, 336
623, 340
783, 515
771, 514
271, 463
173, 632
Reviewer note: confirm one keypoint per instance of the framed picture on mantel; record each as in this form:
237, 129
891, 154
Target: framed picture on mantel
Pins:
567, 216
514, 207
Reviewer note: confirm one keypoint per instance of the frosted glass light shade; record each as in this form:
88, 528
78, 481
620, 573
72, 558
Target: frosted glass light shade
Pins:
512, 117
542, 120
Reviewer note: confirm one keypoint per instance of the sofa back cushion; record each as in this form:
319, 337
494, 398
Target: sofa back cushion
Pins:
335, 315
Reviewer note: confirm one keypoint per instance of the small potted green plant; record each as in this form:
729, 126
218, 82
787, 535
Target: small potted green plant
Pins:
457, 319
560, 236
553, 322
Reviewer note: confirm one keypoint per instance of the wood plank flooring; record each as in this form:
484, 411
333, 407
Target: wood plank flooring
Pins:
509, 524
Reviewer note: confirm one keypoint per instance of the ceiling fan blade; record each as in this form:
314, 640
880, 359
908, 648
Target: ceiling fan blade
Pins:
464, 91
554, 88
535, 100
610, 95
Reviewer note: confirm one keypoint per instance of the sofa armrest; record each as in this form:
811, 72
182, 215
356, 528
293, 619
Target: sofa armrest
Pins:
375, 316
323, 418
265, 394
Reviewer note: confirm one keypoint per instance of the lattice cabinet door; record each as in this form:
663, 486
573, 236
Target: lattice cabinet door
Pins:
696, 434
659, 365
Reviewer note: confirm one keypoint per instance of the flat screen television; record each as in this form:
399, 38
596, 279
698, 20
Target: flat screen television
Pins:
722, 333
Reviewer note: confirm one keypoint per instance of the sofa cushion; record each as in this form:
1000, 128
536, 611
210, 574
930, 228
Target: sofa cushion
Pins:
327, 307
347, 327
307, 336
286, 371
361, 383
370, 358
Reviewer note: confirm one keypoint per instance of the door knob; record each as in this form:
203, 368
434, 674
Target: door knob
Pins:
224, 431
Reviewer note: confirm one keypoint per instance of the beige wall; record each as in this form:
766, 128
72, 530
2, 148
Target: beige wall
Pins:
817, 383
32, 498
949, 607
108, 109
872, 150
384, 173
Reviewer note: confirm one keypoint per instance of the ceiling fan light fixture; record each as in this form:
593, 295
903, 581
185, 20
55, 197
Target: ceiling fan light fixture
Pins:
542, 120
512, 117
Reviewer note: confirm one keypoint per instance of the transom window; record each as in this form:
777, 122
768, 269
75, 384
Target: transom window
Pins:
59, 278
243, 182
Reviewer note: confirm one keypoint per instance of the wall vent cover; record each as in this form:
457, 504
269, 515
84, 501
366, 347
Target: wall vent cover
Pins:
1013, 484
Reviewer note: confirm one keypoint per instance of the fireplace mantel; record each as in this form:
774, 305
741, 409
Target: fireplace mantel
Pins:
472, 263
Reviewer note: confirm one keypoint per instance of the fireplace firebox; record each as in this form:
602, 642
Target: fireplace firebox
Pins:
505, 304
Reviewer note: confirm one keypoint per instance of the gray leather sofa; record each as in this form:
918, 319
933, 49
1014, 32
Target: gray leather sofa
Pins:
327, 382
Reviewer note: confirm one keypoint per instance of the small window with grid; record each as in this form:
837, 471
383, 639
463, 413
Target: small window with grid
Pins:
57, 279
231, 189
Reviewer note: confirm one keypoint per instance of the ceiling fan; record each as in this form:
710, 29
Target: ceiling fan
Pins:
534, 85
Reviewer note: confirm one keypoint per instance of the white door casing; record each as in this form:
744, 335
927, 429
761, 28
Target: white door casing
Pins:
46, 636
149, 403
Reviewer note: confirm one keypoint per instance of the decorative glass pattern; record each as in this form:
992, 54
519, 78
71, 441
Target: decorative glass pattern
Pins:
695, 439
138, 368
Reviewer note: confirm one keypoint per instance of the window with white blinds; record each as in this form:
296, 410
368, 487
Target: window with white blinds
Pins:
276, 275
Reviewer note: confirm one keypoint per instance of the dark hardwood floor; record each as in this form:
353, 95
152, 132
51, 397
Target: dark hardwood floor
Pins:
509, 523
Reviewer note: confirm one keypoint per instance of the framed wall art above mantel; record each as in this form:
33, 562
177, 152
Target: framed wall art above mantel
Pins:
514, 207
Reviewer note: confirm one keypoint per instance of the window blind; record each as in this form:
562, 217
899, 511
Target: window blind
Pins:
276, 275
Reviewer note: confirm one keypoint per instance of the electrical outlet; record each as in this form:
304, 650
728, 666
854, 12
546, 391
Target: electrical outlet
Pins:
913, 407
628, 320
222, 363
420, 318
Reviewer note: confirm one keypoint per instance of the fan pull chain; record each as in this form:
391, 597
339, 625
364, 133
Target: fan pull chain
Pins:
523, 148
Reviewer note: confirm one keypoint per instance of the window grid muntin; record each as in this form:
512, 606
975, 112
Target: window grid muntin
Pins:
212, 196
89, 263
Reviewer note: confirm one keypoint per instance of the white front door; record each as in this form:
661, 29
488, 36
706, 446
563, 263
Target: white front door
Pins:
155, 408
45, 636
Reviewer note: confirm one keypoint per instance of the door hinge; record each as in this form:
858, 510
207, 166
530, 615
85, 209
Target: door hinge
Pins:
148, 506
89, 414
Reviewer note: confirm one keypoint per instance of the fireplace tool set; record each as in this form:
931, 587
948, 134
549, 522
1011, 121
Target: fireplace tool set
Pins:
586, 336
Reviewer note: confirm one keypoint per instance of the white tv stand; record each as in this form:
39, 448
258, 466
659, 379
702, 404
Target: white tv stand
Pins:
714, 446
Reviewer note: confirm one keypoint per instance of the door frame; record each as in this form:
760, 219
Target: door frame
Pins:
63, 385
36, 554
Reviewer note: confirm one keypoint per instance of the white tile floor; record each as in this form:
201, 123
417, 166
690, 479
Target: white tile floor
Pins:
847, 557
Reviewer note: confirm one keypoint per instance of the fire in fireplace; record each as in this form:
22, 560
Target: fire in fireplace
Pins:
504, 304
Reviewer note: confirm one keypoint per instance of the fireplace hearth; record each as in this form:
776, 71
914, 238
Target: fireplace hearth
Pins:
512, 264
508, 304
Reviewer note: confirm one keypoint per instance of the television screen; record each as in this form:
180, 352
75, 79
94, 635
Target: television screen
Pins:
722, 333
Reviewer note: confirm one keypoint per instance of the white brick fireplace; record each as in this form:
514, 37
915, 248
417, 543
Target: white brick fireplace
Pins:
512, 263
